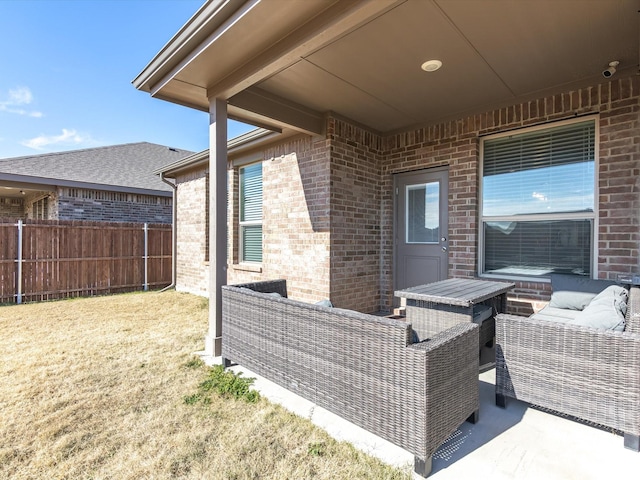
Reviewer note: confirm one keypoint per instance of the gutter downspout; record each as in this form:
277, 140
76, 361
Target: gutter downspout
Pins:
174, 233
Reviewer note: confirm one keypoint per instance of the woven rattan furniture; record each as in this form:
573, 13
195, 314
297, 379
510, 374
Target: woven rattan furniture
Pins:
362, 367
435, 307
578, 371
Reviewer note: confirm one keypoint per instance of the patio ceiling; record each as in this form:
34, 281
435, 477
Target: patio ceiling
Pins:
283, 63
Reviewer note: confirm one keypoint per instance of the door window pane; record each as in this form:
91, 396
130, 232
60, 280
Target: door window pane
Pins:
423, 213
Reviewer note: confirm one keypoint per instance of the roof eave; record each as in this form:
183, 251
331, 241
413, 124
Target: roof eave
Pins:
235, 146
187, 163
52, 182
178, 49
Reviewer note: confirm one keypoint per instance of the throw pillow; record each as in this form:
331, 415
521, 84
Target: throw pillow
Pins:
606, 311
575, 292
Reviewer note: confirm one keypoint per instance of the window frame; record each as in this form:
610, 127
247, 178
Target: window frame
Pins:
40, 208
248, 223
592, 216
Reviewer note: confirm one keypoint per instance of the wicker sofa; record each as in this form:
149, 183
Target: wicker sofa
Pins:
581, 371
362, 367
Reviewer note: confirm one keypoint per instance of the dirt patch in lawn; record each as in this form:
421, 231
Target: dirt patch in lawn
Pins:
96, 388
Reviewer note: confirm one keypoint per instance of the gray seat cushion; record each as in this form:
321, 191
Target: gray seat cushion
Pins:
553, 314
575, 292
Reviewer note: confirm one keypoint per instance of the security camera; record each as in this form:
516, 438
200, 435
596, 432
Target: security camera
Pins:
611, 70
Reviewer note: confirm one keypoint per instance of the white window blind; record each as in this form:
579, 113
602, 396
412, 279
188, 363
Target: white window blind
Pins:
538, 201
545, 171
251, 213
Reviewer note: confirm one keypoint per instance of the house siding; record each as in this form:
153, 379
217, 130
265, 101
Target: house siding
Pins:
328, 215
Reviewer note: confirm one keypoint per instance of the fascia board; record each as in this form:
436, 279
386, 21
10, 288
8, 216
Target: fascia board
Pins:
52, 182
206, 19
184, 164
236, 145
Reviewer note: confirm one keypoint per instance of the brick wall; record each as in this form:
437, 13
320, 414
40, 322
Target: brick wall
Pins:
619, 174
11, 207
456, 144
97, 205
328, 216
296, 223
192, 267
355, 216
51, 200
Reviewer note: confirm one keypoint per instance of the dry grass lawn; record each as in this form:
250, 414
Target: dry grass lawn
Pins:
95, 388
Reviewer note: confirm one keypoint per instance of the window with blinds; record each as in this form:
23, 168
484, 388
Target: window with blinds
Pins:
251, 213
538, 201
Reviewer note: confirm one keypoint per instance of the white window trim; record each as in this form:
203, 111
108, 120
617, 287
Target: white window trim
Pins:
593, 215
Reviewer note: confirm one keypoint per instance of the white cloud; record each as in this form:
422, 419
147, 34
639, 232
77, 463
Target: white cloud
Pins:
539, 196
68, 138
16, 100
20, 96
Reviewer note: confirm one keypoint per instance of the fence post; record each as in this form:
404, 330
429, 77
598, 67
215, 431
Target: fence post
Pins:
146, 257
19, 261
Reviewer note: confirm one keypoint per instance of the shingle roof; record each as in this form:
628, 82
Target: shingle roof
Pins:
131, 165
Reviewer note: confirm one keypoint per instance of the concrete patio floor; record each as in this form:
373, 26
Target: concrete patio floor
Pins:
519, 442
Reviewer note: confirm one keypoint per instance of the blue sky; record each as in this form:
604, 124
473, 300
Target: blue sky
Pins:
66, 68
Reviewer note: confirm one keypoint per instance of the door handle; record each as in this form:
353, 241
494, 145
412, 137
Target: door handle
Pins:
444, 248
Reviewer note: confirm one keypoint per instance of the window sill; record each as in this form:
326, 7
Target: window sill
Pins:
246, 267
514, 278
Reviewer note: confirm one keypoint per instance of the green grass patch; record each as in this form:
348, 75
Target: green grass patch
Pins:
225, 383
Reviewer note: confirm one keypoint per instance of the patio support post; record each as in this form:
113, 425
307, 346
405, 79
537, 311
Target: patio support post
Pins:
217, 222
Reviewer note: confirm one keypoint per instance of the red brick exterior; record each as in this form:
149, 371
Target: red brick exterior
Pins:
356, 196
456, 144
328, 203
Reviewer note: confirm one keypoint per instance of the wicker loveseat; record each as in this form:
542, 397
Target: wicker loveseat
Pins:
584, 372
362, 367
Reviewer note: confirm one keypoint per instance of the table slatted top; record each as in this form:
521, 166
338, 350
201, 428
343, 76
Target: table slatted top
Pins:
456, 291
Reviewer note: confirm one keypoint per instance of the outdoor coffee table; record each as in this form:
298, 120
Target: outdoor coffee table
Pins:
434, 307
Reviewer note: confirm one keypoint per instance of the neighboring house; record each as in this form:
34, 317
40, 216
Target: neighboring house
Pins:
519, 157
114, 184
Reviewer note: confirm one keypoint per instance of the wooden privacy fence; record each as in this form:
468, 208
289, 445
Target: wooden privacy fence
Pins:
49, 259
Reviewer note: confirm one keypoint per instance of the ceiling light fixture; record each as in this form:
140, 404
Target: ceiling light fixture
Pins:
431, 65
